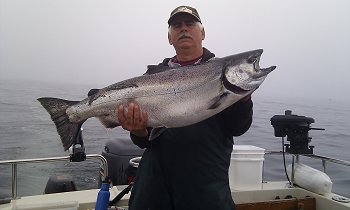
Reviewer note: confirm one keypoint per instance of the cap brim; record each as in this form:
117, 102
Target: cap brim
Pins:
178, 13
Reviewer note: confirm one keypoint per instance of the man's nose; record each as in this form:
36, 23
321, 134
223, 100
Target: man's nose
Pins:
183, 26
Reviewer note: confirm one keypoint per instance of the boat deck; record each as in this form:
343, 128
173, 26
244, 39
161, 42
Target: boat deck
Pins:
86, 199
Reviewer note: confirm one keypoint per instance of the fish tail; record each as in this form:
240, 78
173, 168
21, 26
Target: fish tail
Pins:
67, 130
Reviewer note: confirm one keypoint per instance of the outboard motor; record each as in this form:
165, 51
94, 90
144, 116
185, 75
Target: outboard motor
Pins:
296, 128
60, 183
118, 153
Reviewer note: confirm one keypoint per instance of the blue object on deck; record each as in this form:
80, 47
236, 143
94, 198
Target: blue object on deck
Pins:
103, 197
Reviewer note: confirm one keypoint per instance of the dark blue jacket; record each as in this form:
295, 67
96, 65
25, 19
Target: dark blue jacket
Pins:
187, 167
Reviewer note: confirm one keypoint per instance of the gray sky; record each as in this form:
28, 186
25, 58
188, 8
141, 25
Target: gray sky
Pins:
102, 42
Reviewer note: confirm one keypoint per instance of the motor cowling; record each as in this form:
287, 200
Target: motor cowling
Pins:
60, 183
296, 128
118, 153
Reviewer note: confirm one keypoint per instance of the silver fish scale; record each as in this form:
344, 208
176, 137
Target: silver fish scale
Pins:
172, 98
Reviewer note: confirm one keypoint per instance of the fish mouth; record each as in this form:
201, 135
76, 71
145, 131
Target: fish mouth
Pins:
255, 60
262, 72
247, 76
256, 79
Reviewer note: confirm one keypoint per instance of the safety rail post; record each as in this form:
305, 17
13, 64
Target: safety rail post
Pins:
324, 165
14, 180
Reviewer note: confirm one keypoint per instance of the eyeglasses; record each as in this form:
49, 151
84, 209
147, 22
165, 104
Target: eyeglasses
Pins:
188, 23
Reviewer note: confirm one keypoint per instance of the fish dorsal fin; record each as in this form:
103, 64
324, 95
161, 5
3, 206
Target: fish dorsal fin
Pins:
120, 85
153, 69
103, 92
93, 91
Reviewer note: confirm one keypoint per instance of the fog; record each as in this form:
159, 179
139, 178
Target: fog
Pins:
102, 42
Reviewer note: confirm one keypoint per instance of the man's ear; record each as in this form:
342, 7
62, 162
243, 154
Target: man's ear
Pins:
169, 39
203, 34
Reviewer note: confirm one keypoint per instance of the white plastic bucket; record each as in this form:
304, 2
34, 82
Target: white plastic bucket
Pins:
246, 167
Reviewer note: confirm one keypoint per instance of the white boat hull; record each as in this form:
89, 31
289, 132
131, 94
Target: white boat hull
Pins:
86, 199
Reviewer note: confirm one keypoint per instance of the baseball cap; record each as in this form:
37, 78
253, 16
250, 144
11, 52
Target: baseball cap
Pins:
184, 9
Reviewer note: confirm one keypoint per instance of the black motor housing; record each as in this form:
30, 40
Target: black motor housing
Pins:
296, 128
60, 183
118, 153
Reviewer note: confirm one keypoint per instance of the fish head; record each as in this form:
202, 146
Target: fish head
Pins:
242, 72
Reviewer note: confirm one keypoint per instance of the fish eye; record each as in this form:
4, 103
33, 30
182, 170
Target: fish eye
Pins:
252, 59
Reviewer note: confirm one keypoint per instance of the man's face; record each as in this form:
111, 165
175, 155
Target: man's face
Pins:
185, 33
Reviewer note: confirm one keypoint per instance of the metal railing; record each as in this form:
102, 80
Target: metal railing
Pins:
324, 159
14, 164
295, 159
104, 173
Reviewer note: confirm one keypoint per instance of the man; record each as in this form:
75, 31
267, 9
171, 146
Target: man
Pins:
187, 167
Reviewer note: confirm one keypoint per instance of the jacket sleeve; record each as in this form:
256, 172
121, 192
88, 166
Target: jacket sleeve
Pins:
141, 142
238, 118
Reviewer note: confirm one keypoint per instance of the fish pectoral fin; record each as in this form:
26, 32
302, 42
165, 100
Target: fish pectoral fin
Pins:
216, 102
108, 121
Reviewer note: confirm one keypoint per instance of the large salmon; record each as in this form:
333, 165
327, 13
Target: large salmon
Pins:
174, 97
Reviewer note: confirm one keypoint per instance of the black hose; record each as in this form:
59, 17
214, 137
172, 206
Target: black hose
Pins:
121, 194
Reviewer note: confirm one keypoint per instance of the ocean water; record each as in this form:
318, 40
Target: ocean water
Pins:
26, 131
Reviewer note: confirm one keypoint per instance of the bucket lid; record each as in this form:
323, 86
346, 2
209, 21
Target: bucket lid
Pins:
247, 149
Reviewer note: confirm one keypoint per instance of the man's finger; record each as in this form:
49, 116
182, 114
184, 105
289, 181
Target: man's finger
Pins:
121, 116
130, 115
144, 119
136, 114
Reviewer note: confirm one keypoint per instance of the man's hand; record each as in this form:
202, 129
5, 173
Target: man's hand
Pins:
135, 121
246, 98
